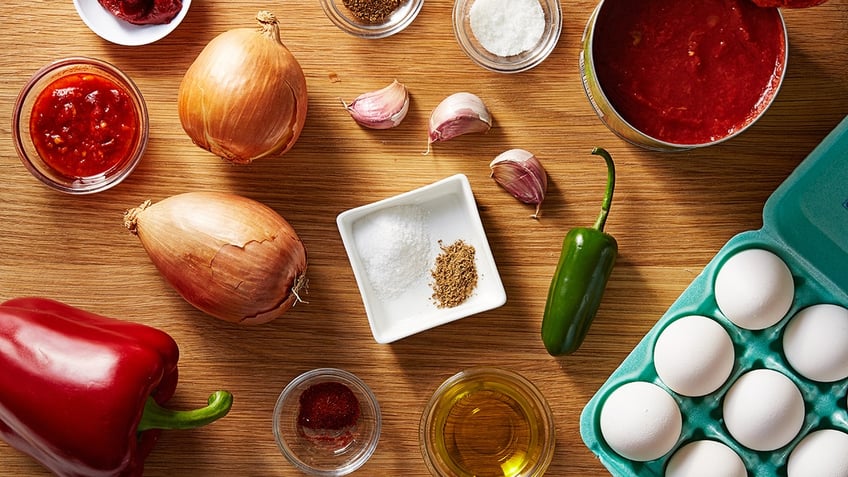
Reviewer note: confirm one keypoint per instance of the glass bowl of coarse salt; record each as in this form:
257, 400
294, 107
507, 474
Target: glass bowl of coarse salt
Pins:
421, 259
507, 36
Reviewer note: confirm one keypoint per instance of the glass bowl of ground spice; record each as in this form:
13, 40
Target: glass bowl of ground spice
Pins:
80, 125
507, 36
327, 422
372, 18
421, 259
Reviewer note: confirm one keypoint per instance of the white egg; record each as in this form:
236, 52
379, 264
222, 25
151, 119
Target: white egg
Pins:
641, 421
694, 355
705, 458
754, 289
822, 453
815, 343
763, 410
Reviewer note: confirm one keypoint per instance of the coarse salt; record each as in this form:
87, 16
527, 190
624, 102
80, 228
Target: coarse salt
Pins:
507, 27
395, 247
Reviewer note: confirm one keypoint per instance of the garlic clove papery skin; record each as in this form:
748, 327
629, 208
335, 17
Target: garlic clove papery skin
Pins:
229, 256
458, 114
521, 174
245, 96
381, 109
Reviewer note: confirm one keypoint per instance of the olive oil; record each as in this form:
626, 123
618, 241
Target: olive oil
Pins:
488, 427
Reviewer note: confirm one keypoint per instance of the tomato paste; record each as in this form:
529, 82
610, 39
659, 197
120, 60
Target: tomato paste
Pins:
688, 72
84, 124
144, 12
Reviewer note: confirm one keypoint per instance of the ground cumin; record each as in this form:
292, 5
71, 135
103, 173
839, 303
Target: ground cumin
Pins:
454, 274
373, 11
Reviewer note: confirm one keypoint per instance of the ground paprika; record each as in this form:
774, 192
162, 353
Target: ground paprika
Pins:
81, 393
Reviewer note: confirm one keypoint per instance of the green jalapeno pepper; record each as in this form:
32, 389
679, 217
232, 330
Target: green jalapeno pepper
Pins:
585, 264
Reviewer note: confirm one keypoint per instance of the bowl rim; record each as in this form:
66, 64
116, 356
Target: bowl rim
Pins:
516, 63
86, 185
372, 31
359, 387
115, 30
521, 386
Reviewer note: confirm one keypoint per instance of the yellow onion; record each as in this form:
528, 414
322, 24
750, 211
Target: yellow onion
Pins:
244, 97
229, 256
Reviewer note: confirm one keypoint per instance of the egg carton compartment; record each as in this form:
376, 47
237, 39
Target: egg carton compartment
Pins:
809, 200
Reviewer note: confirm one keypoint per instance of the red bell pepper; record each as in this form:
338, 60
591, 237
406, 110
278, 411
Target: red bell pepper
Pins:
81, 393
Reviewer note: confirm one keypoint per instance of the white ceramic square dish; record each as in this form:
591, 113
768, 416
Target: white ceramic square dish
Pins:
444, 212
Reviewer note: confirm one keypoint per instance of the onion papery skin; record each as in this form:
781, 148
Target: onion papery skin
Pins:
229, 256
244, 97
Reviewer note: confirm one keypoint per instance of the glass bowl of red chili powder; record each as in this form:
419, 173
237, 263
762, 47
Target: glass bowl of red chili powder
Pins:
80, 125
372, 18
327, 422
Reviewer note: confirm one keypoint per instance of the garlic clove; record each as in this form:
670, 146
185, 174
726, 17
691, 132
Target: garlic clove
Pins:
381, 109
521, 174
458, 114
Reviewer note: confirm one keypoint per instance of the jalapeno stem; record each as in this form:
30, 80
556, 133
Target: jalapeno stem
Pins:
605, 205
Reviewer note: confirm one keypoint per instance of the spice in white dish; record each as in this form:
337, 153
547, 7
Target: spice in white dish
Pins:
395, 247
507, 27
454, 274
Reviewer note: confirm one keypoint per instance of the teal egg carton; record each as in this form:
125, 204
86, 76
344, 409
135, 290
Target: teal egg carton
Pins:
805, 224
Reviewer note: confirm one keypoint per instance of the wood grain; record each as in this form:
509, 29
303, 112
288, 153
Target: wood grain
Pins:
671, 214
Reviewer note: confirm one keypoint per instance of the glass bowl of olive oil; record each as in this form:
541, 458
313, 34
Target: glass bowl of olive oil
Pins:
487, 422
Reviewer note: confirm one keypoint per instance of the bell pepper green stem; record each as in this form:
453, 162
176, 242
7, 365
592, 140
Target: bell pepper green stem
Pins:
158, 417
605, 205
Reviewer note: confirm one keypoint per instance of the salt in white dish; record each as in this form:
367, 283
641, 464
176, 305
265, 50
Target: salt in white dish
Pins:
450, 214
113, 29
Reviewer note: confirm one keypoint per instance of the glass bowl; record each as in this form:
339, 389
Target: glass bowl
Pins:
487, 422
348, 22
346, 442
80, 72
506, 63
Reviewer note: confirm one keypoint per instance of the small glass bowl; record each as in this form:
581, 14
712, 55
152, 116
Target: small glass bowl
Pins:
487, 421
343, 18
23, 139
507, 64
325, 455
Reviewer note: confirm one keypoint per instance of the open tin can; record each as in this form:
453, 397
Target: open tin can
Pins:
670, 76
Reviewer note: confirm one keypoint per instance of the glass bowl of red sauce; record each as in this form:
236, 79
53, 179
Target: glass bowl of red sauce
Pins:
668, 75
80, 125
327, 422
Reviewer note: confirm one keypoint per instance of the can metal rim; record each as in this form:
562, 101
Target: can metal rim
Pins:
623, 129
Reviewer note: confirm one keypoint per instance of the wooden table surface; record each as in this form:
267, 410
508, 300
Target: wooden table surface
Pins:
671, 214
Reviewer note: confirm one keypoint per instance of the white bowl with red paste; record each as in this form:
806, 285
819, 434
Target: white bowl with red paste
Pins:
132, 22
668, 75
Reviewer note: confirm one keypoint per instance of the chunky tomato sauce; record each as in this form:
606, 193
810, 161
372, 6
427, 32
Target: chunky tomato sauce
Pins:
84, 124
688, 72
